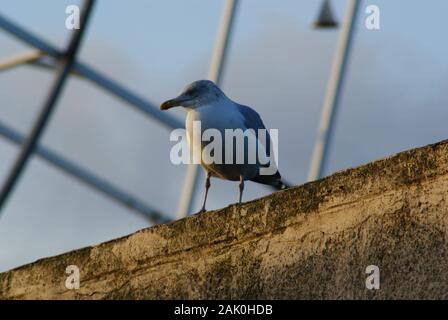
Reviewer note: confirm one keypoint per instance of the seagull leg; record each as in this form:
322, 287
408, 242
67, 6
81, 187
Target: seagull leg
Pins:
241, 188
207, 186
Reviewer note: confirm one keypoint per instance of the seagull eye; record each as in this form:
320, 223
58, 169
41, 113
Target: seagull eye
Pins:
190, 92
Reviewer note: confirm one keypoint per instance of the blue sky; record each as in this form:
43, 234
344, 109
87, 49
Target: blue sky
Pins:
394, 99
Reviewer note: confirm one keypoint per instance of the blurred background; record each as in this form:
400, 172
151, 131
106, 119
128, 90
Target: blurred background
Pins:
394, 98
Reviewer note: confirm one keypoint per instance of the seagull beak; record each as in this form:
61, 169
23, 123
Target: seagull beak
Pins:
172, 103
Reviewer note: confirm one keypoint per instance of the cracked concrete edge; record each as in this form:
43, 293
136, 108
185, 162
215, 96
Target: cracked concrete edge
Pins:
313, 217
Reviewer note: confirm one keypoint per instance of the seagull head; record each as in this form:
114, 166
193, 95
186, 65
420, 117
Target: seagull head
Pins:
195, 95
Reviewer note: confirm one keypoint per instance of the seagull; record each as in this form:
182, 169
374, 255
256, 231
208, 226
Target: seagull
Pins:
206, 102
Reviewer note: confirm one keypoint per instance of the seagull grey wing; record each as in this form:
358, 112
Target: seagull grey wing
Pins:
252, 120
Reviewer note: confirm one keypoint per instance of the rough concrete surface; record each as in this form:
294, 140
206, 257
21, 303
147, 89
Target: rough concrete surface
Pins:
309, 242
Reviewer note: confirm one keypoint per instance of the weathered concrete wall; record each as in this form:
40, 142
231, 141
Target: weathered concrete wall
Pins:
311, 241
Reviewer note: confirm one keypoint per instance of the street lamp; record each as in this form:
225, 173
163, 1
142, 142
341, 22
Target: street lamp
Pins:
325, 20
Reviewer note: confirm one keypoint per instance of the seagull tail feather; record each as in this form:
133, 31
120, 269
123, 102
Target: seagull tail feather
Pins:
274, 180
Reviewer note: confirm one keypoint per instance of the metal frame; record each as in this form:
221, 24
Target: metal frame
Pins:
331, 103
48, 56
32, 139
39, 57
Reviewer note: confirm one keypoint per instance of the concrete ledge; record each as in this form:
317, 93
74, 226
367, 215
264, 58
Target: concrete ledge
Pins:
310, 241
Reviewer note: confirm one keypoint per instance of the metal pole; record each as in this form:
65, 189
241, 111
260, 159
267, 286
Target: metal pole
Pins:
29, 38
219, 56
332, 97
41, 121
87, 177
27, 57
217, 65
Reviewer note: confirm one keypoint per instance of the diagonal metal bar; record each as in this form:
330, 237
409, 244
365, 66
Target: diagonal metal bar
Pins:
87, 177
91, 74
44, 115
33, 58
126, 95
29, 37
16, 60
219, 56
